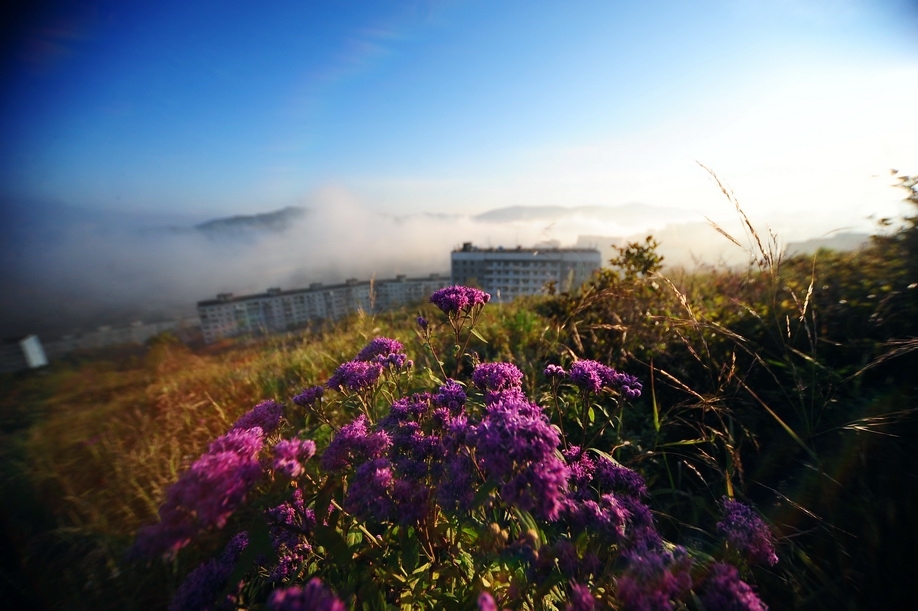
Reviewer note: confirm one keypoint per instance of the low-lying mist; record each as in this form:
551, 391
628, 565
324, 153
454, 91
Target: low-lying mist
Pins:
68, 272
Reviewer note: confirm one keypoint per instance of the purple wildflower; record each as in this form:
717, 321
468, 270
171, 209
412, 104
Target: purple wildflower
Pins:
606, 517
215, 486
354, 376
422, 323
581, 468
592, 376
205, 495
723, 590
290, 454
414, 452
555, 371
627, 383
455, 299
314, 596
396, 361
205, 584
640, 531
245, 442
368, 495
418, 454
407, 408
653, 579
309, 397
539, 488
412, 501
516, 446
509, 435
497, 376
747, 533
605, 497
513, 395
451, 396
581, 598
486, 602
589, 376
380, 346
456, 489
609, 476
291, 521
266, 415
354, 444
566, 554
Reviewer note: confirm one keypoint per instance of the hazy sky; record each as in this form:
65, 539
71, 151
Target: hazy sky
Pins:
216, 107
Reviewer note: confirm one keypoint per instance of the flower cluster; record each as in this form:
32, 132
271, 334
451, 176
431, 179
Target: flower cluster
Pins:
723, 590
291, 523
364, 371
353, 445
606, 498
497, 376
266, 416
309, 397
654, 578
354, 376
450, 396
581, 599
205, 584
473, 465
592, 376
380, 346
516, 447
314, 596
746, 533
208, 493
459, 299
290, 454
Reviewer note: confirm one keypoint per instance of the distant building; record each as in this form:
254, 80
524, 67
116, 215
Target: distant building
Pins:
19, 354
509, 273
277, 310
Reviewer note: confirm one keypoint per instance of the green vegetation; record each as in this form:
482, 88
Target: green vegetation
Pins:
788, 385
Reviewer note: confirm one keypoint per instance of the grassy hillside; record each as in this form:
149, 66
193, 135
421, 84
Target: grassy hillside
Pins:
787, 387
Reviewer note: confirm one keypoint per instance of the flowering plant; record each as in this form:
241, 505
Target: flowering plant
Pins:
456, 493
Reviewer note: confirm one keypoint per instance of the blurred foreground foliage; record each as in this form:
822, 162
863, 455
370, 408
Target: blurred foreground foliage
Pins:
788, 383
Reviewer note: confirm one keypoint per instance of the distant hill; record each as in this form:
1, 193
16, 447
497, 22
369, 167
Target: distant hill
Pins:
839, 241
234, 226
625, 214
688, 244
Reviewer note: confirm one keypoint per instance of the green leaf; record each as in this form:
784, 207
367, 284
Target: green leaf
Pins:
685, 442
410, 551
529, 524
478, 335
599, 452
334, 544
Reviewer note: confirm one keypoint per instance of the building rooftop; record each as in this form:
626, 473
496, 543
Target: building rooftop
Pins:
315, 286
470, 247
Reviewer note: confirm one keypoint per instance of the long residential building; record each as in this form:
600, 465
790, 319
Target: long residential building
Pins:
510, 273
277, 310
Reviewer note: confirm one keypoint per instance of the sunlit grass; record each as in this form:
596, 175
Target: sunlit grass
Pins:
785, 382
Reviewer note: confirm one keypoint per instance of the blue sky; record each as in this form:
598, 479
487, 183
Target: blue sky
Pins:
208, 108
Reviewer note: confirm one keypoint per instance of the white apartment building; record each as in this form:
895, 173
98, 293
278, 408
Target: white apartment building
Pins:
277, 310
509, 273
